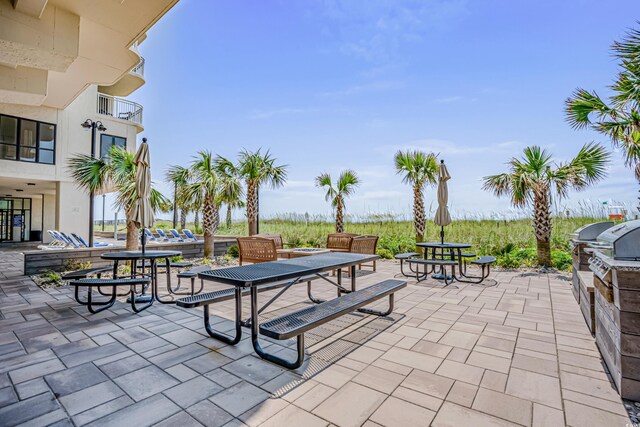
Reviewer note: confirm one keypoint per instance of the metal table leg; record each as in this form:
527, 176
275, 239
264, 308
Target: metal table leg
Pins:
154, 281
238, 322
255, 331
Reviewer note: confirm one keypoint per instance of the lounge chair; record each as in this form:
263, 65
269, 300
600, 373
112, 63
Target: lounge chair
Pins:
189, 234
86, 245
163, 235
177, 235
69, 239
63, 243
150, 236
57, 241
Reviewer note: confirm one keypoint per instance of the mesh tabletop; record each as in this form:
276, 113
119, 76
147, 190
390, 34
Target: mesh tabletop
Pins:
255, 274
445, 245
130, 255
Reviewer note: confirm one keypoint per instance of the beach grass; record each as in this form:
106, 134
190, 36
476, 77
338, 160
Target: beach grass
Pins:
512, 242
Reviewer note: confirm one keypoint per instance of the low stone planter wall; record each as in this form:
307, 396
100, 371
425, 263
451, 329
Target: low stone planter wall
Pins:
41, 260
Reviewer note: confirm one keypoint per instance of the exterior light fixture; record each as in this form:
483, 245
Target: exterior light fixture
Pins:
93, 125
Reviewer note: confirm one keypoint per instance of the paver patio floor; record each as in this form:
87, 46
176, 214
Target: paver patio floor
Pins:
517, 353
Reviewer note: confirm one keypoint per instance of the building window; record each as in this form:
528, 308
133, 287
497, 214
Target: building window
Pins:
27, 140
108, 141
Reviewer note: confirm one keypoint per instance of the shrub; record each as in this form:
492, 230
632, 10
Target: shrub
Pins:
385, 253
560, 260
51, 278
508, 260
176, 258
74, 264
233, 251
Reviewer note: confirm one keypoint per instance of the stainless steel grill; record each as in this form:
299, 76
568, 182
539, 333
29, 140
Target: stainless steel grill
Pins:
591, 231
620, 242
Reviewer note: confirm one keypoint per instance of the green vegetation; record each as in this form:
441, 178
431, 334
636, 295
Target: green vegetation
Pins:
49, 279
417, 169
535, 178
74, 264
618, 115
511, 242
344, 187
117, 172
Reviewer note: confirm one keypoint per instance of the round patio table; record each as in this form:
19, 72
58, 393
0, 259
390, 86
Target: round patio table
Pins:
455, 250
134, 257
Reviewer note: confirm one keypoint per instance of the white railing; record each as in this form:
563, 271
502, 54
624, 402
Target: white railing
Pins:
139, 69
119, 108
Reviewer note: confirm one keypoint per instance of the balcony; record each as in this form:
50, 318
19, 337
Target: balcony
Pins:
119, 108
128, 84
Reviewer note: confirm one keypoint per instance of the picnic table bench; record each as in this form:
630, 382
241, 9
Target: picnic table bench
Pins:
256, 278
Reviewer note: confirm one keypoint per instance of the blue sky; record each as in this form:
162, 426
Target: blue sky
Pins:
329, 85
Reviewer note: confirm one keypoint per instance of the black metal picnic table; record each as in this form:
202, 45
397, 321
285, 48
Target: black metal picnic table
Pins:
290, 270
152, 256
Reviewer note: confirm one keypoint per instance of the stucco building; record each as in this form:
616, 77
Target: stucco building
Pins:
63, 62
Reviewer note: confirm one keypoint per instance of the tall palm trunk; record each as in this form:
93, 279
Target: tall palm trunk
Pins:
339, 215
418, 212
252, 207
132, 232
228, 218
196, 220
542, 224
208, 221
183, 218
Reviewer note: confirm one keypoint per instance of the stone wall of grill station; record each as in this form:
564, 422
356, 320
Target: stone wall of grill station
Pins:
582, 281
580, 260
617, 315
41, 260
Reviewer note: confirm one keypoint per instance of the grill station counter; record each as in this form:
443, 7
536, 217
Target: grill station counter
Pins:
582, 237
615, 263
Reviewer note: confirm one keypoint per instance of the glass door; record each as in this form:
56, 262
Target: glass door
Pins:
5, 226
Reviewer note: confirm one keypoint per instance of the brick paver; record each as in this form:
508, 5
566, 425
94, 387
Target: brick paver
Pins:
516, 353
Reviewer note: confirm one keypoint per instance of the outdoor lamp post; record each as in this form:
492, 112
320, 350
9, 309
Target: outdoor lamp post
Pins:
93, 125
175, 204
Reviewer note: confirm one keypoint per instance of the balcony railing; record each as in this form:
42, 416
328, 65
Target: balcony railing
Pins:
139, 69
119, 108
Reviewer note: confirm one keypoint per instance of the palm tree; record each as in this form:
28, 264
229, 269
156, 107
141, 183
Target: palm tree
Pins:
232, 191
343, 188
531, 180
258, 169
418, 169
116, 172
179, 176
619, 116
203, 181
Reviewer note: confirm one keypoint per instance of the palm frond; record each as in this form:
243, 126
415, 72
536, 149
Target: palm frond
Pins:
90, 174
416, 167
580, 106
348, 181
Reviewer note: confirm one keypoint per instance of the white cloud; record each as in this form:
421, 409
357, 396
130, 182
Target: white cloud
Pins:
449, 99
376, 30
294, 185
267, 114
373, 87
449, 148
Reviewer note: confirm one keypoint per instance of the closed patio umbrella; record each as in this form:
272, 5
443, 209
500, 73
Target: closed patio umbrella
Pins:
142, 211
442, 218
